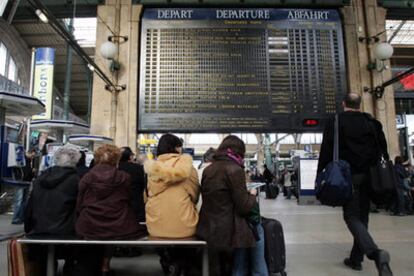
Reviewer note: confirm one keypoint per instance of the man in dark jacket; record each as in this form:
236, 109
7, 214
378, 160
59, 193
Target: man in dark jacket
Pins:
81, 167
138, 181
358, 146
401, 174
29, 173
51, 208
267, 175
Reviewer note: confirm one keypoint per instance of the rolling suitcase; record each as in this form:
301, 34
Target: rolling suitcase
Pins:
275, 251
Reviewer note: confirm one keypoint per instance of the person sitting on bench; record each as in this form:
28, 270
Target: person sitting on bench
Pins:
173, 192
104, 210
51, 208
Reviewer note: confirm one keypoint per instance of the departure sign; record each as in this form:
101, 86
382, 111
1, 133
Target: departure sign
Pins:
245, 70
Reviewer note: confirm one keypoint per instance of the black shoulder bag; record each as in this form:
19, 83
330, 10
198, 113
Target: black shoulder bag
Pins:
334, 184
382, 175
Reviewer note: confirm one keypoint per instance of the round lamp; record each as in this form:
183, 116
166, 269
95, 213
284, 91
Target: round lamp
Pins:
108, 50
383, 51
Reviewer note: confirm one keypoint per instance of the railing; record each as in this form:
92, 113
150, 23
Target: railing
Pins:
7, 85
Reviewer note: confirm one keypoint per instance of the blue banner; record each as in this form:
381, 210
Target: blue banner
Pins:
43, 80
242, 14
45, 56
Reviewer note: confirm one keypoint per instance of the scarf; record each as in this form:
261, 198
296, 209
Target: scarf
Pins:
235, 157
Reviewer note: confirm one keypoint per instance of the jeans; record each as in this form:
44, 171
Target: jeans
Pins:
19, 206
289, 192
255, 256
399, 206
356, 213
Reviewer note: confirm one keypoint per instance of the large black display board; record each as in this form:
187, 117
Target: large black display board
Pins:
251, 70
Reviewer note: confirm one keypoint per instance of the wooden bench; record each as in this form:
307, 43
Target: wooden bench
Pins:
144, 242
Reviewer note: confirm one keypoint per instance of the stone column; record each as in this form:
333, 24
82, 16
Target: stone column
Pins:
364, 19
123, 18
260, 152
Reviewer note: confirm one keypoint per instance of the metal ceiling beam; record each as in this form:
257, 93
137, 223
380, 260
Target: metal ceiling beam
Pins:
78, 96
396, 3
62, 64
68, 37
404, 57
256, 3
60, 11
400, 14
29, 35
394, 34
13, 10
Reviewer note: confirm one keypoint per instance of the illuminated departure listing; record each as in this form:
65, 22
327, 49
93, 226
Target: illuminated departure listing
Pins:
244, 69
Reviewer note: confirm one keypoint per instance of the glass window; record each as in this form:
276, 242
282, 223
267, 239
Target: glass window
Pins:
85, 31
3, 59
3, 5
400, 32
12, 70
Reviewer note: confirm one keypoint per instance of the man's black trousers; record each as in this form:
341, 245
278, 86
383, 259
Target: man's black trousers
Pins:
356, 214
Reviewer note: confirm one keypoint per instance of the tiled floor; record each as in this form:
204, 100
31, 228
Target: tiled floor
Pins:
317, 241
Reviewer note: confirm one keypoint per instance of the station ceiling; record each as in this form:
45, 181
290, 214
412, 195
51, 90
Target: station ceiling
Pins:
397, 9
60, 8
38, 34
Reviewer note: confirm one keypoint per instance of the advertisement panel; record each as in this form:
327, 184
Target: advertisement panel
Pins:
43, 80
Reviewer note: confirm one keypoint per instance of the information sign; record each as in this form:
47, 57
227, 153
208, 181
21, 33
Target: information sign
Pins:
245, 70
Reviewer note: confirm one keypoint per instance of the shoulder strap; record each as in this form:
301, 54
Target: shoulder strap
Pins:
336, 139
146, 184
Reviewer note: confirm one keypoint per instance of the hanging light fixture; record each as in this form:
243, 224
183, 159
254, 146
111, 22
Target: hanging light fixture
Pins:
109, 51
382, 52
42, 16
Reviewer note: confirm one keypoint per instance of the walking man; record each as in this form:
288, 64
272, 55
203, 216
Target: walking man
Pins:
357, 146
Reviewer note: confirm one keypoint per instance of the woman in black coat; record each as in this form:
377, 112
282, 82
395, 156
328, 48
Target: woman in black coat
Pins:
138, 181
51, 208
226, 204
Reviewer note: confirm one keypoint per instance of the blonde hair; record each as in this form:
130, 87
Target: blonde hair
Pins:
108, 155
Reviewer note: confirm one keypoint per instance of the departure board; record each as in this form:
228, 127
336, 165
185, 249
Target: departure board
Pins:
244, 70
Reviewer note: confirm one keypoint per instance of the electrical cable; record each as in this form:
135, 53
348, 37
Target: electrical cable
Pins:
61, 30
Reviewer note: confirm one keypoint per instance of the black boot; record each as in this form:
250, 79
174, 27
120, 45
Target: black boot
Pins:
382, 261
355, 266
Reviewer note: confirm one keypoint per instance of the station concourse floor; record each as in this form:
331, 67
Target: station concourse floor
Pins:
317, 241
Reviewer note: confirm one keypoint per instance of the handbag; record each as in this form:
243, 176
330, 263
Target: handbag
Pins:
382, 175
334, 184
